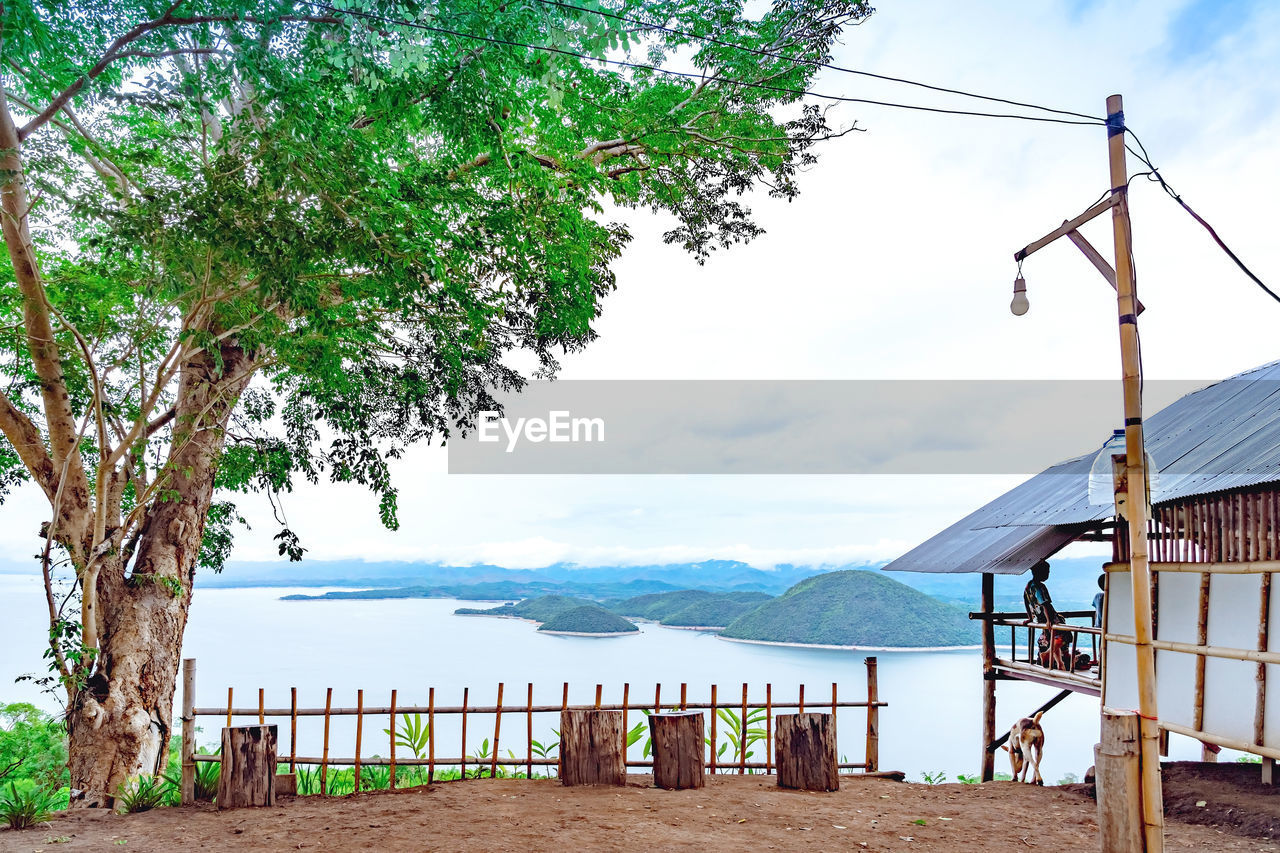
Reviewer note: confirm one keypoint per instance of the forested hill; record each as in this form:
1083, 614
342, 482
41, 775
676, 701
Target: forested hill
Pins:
856, 608
691, 608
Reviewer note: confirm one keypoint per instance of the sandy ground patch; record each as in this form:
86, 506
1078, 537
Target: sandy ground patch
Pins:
730, 814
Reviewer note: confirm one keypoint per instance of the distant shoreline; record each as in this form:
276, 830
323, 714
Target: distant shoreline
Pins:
590, 633
850, 648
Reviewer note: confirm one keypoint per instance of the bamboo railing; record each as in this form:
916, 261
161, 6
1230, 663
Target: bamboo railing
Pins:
394, 713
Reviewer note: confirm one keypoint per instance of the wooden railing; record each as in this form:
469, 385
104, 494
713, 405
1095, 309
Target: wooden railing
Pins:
743, 715
1024, 653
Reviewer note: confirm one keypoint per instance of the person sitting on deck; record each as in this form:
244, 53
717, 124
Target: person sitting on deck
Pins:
1040, 609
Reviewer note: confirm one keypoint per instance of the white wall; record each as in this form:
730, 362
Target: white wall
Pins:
1230, 685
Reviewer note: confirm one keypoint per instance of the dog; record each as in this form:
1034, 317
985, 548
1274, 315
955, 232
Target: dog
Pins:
1026, 744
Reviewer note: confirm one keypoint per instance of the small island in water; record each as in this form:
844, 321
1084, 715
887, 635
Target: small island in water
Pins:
846, 609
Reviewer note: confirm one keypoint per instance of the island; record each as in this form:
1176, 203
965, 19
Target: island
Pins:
855, 609
691, 608
590, 620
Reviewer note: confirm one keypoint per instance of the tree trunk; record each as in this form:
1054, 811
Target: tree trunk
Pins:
806, 752
248, 775
120, 723
591, 748
678, 746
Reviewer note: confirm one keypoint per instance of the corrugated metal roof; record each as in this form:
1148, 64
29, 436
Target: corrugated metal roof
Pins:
1223, 437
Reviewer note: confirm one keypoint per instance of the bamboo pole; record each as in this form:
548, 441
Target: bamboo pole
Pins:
1202, 637
599, 696
872, 759
466, 692
1209, 651
324, 756
188, 789
1264, 629
230, 693
711, 768
359, 734
1136, 467
684, 696
262, 704
431, 735
391, 781
988, 679
626, 733
293, 729
742, 734
1229, 743
800, 707
528, 721
564, 703
497, 730
768, 727
657, 698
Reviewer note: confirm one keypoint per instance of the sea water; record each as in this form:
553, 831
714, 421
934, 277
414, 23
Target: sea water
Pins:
246, 639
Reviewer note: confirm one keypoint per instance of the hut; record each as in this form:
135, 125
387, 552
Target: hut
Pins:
1214, 544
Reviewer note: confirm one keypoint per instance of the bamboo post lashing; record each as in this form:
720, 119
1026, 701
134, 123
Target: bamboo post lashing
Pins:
293, 729
768, 727
626, 693
230, 693
711, 767
742, 734
599, 696
188, 789
497, 731
324, 756
466, 692
528, 721
262, 704
431, 735
359, 734
872, 759
391, 780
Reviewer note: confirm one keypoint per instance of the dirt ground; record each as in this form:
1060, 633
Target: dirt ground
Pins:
730, 814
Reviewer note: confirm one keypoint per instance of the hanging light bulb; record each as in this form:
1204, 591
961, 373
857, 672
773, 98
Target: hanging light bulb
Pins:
1020, 303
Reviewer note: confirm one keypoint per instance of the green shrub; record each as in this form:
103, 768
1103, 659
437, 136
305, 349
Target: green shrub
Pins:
25, 809
33, 746
143, 793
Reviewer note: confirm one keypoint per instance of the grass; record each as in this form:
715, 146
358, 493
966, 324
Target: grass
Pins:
32, 807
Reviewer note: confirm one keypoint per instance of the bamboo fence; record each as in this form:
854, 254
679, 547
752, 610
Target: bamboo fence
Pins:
736, 760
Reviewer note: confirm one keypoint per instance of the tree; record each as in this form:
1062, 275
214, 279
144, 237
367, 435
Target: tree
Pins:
255, 240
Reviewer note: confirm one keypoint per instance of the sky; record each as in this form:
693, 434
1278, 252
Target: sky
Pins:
894, 263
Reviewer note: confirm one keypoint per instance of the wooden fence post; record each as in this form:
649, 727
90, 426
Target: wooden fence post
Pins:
188, 792
1118, 772
677, 750
248, 775
873, 718
591, 748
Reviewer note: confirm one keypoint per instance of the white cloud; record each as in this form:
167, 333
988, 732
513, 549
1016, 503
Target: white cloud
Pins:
896, 262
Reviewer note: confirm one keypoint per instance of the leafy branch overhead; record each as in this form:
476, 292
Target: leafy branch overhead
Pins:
255, 242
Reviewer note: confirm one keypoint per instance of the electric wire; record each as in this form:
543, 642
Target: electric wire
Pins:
810, 62
1077, 118
1164, 185
640, 66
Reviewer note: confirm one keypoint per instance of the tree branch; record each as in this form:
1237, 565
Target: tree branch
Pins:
168, 19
